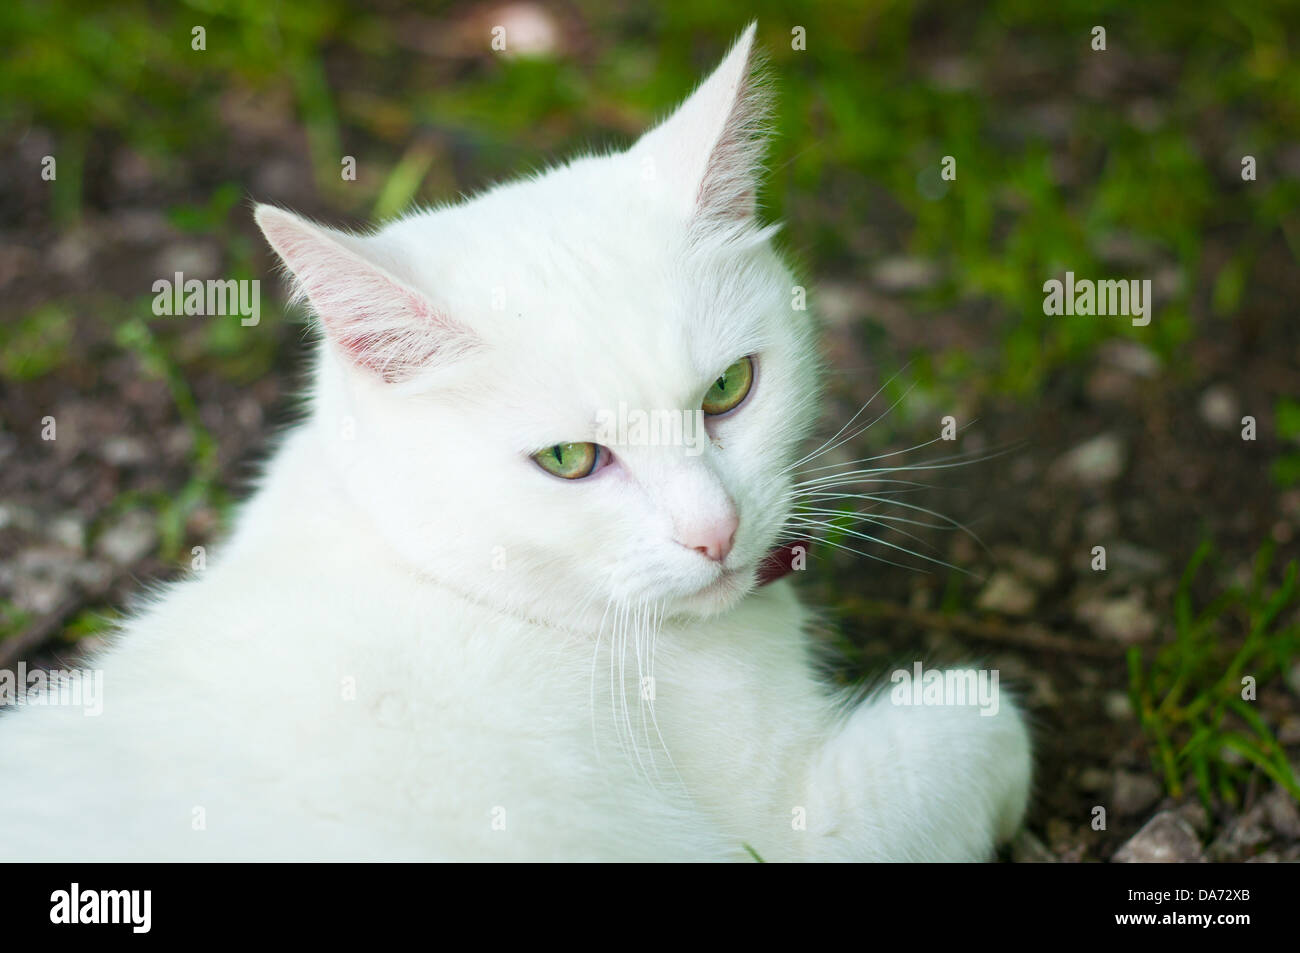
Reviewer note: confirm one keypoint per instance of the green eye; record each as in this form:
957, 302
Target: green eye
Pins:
570, 461
729, 390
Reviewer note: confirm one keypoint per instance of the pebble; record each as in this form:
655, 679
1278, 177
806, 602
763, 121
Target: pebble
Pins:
1093, 462
1165, 839
129, 539
1007, 594
1240, 838
901, 273
1219, 408
1130, 357
1040, 570
193, 259
1123, 619
69, 531
1194, 813
1094, 779
1134, 793
1288, 730
1283, 813
1292, 679
1131, 562
122, 451
1028, 849
1099, 523
1119, 707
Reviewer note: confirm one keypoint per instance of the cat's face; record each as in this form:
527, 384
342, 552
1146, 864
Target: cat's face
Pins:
578, 393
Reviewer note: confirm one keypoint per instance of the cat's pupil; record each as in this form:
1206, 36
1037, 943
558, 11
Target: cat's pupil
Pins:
559, 454
721, 383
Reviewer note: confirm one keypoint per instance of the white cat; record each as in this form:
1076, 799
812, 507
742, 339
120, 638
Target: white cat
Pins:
450, 626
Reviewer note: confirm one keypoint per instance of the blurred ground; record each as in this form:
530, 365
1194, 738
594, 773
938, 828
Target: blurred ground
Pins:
1117, 163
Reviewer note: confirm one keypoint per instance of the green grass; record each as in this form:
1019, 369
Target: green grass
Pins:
12, 619
35, 344
1286, 467
861, 116
1189, 698
202, 489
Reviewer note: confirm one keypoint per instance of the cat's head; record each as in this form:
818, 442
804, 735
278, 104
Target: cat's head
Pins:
579, 391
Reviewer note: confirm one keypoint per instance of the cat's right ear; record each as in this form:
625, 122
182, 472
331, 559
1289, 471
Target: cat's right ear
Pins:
377, 321
707, 156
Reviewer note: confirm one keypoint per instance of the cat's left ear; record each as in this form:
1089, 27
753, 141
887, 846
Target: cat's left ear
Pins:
708, 155
373, 318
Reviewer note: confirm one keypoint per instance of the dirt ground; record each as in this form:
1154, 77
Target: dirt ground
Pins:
1116, 451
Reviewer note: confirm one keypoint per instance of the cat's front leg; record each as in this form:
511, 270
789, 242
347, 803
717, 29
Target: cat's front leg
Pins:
909, 780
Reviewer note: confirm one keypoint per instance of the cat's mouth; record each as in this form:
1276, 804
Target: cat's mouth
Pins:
782, 560
731, 584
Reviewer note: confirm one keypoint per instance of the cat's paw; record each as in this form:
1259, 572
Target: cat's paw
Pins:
923, 778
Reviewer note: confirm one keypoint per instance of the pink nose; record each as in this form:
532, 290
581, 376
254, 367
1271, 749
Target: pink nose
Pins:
713, 540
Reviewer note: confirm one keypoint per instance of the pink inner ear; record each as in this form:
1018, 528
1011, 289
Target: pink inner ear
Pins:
382, 324
386, 339
714, 143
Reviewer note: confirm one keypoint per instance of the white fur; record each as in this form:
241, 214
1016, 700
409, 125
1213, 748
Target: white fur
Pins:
417, 645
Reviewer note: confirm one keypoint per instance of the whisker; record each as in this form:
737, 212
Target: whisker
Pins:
824, 449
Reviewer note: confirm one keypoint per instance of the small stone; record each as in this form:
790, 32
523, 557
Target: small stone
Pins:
1127, 561
1118, 706
142, 226
1122, 248
1288, 730
1130, 357
121, 451
39, 594
1292, 679
1040, 570
1069, 842
1194, 813
1110, 384
1165, 839
904, 274
44, 576
1122, 619
1028, 849
92, 574
1099, 524
1094, 779
1242, 836
129, 540
1007, 594
533, 30
1167, 283
1145, 114
1219, 408
19, 517
1094, 462
1134, 793
1042, 693
193, 259
1282, 813
73, 252
69, 531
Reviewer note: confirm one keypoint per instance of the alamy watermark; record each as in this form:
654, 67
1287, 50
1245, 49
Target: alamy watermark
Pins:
652, 428
65, 688
946, 687
131, 908
1128, 298
179, 296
